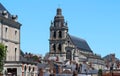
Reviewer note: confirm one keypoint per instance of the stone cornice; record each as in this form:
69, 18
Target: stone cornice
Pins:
16, 42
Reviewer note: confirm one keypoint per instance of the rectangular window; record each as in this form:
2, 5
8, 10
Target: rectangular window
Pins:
15, 32
6, 30
6, 47
15, 53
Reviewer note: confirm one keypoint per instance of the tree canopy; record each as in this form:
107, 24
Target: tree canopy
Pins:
2, 55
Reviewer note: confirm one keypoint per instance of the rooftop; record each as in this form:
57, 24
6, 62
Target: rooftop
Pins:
80, 43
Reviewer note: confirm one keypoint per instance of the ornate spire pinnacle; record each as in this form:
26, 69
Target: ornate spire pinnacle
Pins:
59, 19
59, 11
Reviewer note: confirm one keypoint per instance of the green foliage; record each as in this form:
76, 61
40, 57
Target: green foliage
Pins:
36, 58
100, 72
2, 56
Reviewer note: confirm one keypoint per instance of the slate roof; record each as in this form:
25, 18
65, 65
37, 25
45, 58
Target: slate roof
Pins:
80, 43
2, 8
109, 57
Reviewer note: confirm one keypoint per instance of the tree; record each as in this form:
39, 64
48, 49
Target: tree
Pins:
2, 56
100, 72
36, 58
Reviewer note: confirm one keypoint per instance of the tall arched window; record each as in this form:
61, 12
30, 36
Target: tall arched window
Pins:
60, 34
25, 68
33, 69
54, 47
59, 47
54, 34
29, 68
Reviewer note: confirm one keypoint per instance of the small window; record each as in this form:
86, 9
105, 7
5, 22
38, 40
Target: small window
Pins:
15, 49
15, 32
6, 29
6, 47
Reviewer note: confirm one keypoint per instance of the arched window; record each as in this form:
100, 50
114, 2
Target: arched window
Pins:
59, 47
60, 34
29, 68
54, 47
54, 34
25, 68
33, 69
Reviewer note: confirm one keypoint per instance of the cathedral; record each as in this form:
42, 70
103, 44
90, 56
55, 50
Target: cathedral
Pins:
64, 46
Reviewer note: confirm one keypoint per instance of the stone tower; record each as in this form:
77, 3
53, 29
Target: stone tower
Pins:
58, 35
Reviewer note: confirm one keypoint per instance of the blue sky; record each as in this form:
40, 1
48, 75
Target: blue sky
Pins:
97, 21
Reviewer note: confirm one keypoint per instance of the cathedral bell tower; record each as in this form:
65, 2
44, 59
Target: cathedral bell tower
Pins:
58, 35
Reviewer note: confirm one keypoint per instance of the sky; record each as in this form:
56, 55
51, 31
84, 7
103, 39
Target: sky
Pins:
96, 21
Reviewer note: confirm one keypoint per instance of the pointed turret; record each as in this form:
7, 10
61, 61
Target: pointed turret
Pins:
59, 19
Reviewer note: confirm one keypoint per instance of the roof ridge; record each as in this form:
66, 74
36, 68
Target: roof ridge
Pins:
78, 38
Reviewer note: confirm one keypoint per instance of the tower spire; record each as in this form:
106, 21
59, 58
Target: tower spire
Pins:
59, 11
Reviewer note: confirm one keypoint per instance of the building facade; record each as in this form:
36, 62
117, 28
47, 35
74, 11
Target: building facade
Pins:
10, 36
64, 46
